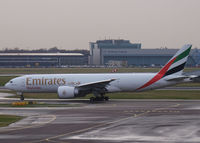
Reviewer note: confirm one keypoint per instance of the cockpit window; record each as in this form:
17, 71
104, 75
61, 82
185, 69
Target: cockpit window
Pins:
11, 81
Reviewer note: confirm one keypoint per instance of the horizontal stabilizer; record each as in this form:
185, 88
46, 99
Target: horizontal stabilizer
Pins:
195, 78
177, 78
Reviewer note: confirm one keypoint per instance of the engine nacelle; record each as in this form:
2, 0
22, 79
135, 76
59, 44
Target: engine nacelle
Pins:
67, 92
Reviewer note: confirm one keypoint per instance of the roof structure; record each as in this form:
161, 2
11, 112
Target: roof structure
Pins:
41, 54
141, 52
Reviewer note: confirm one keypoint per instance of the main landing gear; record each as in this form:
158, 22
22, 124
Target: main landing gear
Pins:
21, 96
99, 98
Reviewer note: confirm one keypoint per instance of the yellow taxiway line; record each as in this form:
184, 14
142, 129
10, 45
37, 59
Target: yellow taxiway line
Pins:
50, 139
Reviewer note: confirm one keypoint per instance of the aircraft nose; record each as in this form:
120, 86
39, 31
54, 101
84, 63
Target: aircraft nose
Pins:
6, 85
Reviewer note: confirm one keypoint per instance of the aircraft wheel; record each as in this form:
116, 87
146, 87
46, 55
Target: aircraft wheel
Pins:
92, 99
99, 98
22, 98
106, 98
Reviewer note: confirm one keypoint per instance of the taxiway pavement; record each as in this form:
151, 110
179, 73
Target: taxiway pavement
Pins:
114, 121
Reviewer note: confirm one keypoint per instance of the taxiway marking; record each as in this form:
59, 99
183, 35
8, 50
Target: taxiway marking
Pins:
37, 125
101, 125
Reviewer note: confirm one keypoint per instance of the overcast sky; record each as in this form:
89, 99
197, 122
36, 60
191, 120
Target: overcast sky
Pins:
72, 24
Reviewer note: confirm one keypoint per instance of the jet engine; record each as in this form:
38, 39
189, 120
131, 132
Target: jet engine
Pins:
67, 92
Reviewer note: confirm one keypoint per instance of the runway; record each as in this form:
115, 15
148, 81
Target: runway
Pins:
114, 121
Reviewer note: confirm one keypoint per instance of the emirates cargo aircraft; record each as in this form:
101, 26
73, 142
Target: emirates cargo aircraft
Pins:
79, 85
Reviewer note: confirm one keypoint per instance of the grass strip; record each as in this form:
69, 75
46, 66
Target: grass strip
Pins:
158, 94
41, 105
154, 94
6, 120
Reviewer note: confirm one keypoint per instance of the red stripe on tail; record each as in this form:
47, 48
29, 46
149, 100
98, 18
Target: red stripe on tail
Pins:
159, 75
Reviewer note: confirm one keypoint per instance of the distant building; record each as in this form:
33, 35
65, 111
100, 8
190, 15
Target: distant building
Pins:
42, 59
124, 53
99, 49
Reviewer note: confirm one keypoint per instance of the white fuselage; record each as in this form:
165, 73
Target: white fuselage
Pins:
75, 85
50, 82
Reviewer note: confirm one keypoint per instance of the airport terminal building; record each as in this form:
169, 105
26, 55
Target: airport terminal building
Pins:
124, 53
42, 59
120, 53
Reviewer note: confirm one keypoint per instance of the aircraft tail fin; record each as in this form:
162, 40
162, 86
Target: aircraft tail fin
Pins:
174, 66
177, 63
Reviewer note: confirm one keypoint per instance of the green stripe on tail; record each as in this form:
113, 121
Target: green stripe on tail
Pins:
183, 55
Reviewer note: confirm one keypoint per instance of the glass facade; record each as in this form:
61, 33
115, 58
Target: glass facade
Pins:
40, 60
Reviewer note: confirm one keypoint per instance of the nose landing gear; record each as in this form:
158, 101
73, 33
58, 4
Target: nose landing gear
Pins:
21, 96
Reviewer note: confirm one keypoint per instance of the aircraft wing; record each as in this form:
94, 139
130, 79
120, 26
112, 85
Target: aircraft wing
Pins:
97, 86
